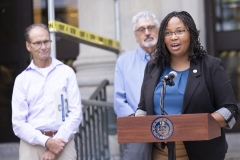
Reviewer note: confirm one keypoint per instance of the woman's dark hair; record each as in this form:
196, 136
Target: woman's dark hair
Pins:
162, 55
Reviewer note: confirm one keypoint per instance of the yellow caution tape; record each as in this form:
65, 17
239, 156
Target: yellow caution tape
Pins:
85, 36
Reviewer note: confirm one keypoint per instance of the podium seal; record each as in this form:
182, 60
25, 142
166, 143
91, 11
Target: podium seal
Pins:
162, 128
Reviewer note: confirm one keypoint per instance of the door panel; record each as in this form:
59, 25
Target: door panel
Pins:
15, 16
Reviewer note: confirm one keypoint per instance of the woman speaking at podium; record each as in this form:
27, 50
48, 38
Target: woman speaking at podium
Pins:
201, 86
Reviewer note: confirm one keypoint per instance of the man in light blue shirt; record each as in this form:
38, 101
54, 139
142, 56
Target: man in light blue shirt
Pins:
129, 73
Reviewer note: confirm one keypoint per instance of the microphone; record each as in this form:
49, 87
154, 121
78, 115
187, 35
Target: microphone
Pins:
171, 76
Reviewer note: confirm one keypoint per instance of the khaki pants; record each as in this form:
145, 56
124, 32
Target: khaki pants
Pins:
35, 152
162, 154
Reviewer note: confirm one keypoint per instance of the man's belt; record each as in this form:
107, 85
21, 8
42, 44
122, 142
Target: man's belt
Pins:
49, 133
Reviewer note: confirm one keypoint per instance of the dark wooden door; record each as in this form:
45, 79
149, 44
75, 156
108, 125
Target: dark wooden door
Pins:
15, 16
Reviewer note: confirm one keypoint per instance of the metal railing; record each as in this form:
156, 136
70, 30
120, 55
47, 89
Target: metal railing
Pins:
92, 137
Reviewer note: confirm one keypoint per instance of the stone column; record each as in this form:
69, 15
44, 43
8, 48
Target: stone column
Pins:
93, 65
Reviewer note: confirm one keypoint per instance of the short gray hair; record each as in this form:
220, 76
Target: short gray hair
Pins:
28, 29
144, 14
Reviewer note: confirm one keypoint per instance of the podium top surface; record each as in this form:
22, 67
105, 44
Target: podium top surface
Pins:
167, 128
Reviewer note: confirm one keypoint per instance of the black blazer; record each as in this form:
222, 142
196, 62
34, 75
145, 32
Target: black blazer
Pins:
207, 90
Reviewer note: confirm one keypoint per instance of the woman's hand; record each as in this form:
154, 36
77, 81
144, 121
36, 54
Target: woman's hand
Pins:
219, 119
140, 115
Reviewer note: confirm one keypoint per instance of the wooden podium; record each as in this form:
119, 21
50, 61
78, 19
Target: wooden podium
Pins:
185, 127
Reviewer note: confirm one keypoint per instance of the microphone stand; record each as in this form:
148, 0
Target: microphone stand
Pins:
170, 145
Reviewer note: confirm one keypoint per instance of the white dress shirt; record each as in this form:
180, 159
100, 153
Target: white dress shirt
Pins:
33, 107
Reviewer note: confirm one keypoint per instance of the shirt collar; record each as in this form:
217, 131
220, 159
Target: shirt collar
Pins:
144, 54
53, 64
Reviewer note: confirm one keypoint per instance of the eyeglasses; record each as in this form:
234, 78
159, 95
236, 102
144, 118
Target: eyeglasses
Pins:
177, 33
39, 44
141, 30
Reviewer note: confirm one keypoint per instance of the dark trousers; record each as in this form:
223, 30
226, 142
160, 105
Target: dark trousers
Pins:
136, 151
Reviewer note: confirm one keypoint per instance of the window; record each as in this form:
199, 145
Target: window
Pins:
65, 11
227, 15
231, 61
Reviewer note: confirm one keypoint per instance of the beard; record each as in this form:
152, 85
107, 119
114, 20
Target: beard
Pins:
151, 43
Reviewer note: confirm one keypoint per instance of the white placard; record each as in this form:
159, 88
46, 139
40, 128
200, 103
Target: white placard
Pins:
61, 107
